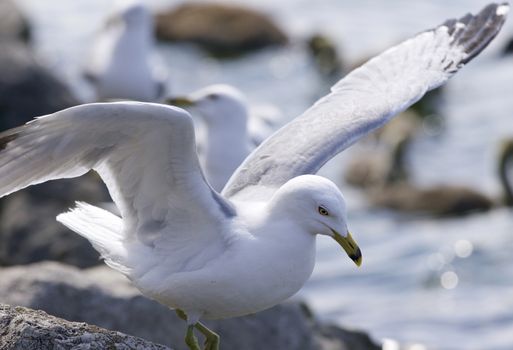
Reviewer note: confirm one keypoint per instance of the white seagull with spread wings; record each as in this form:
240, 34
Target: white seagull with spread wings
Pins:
211, 255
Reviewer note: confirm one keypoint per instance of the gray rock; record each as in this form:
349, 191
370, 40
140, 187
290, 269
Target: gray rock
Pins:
103, 297
13, 24
29, 231
26, 329
27, 88
221, 29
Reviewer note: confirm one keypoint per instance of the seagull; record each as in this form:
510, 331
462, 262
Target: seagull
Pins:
231, 131
211, 255
120, 63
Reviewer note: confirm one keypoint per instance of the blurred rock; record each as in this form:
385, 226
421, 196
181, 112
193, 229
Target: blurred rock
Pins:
27, 88
445, 199
439, 201
368, 168
29, 231
221, 29
26, 329
385, 175
508, 49
382, 160
13, 24
104, 297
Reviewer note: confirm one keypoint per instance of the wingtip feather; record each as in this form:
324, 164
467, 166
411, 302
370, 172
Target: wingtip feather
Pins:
473, 33
502, 9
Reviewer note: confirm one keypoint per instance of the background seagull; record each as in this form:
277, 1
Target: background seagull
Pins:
231, 131
216, 256
120, 63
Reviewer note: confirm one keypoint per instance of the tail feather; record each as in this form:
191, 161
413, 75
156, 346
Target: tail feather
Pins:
102, 228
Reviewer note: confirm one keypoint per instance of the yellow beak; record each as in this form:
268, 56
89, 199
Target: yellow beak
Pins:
179, 102
349, 245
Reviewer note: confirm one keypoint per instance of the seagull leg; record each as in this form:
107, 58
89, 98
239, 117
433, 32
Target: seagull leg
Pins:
211, 338
190, 338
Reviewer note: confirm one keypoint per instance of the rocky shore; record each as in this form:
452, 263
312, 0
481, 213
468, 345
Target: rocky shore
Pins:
26, 329
102, 297
220, 29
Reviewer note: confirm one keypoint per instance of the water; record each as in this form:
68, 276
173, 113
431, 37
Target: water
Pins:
447, 284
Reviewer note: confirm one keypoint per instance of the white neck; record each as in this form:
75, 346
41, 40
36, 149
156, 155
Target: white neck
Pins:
226, 148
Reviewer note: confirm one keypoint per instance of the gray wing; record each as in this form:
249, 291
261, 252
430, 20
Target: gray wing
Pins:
366, 99
144, 152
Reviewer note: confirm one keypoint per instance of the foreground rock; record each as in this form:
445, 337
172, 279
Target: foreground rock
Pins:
29, 231
103, 297
221, 29
26, 329
13, 24
27, 88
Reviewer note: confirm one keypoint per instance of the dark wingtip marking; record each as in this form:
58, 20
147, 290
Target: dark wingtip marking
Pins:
473, 33
6, 139
479, 30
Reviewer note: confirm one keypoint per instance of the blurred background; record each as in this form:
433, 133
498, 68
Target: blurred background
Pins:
433, 276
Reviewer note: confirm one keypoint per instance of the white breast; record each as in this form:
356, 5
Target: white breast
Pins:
268, 269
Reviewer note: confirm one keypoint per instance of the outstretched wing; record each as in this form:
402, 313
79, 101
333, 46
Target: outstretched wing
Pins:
366, 99
144, 152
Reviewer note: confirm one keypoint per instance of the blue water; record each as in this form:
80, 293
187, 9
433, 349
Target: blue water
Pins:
446, 284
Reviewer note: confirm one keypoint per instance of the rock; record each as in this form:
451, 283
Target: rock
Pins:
221, 29
508, 49
382, 160
438, 201
27, 88
13, 24
29, 231
26, 329
352, 340
103, 297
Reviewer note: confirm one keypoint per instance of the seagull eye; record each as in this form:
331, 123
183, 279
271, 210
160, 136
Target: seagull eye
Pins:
213, 96
323, 211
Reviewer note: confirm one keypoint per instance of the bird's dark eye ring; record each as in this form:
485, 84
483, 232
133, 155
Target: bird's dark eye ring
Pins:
213, 96
323, 211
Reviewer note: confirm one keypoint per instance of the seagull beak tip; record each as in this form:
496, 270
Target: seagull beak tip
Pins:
349, 245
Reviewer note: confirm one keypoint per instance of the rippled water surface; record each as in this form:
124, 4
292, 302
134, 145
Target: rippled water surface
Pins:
447, 284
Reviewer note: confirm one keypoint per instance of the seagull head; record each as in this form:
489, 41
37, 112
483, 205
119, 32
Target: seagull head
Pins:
136, 15
319, 207
218, 105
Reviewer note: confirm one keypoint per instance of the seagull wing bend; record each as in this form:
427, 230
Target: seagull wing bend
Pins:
146, 155
366, 99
